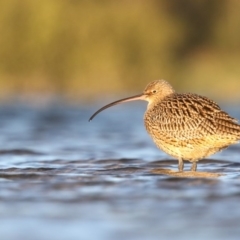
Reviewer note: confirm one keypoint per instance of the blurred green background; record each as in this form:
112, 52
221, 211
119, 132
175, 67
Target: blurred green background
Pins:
85, 49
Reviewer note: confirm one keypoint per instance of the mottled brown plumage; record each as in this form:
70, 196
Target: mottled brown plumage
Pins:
186, 126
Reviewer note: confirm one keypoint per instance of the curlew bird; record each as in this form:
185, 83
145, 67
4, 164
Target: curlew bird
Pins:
184, 125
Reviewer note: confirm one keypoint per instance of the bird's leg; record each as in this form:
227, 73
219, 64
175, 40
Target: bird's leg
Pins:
180, 165
194, 166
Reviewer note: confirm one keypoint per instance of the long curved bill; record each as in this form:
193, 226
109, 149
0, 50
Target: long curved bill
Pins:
128, 99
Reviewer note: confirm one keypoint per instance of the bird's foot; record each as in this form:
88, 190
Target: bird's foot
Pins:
180, 165
194, 166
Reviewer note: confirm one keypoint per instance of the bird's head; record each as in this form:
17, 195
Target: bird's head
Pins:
155, 91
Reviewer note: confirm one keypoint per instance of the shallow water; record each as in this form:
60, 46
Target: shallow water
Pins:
65, 178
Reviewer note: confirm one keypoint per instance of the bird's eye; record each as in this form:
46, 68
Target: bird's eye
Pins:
154, 91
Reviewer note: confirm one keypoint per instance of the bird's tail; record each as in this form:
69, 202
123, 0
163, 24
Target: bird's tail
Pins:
227, 127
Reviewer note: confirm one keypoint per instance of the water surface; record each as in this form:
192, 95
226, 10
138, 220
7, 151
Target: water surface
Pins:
65, 178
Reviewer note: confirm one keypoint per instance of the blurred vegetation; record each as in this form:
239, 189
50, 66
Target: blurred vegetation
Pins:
88, 48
